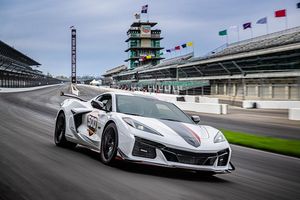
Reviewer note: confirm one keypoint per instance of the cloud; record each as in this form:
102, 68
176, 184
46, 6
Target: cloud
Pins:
41, 28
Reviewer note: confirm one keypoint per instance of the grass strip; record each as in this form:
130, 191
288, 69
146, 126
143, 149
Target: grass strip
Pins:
288, 147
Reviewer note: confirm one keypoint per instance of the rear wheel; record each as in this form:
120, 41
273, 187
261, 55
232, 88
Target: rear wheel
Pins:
109, 144
59, 133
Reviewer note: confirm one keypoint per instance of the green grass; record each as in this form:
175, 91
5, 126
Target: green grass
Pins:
276, 145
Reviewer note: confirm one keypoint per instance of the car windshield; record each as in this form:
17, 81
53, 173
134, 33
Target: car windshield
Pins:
148, 107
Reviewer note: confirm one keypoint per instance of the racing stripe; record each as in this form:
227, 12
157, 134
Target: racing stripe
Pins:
194, 134
186, 133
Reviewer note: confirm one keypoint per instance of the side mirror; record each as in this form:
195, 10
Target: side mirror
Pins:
97, 104
195, 118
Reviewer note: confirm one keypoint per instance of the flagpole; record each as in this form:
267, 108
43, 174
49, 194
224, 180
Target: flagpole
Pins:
226, 39
238, 33
193, 45
267, 28
147, 15
286, 20
251, 33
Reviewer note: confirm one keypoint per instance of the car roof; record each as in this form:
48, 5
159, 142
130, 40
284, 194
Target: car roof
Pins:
130, 94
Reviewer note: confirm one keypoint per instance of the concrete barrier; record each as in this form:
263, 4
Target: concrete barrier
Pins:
294, 114
202, 107
74, 90
271, 104
224, 109
200, 99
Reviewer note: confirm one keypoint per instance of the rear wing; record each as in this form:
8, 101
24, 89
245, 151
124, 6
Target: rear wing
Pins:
72, 96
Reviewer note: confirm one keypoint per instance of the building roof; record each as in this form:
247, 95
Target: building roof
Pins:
145, 48
137, 58
115, 70
139, 23
137, 37
166, 63
10, 52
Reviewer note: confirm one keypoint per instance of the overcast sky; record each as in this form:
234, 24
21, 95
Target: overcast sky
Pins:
40, 28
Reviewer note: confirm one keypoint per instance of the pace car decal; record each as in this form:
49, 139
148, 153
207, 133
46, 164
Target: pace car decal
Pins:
92, 122
185, 132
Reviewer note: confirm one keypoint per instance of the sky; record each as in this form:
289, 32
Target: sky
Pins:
40, 28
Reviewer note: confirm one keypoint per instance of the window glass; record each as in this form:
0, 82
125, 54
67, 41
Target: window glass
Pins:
148, 107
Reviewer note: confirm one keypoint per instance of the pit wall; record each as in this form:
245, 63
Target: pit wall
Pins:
271, 104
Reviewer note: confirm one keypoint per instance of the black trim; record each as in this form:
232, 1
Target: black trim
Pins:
180, 156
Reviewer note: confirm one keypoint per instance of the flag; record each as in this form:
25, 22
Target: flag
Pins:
148, 57
263, 20
142, 58
161, 53
280, 13
168, 50
222, 33
137, 16
144, 9
177, 48
298, 5
189, 44
247, 25
183, 45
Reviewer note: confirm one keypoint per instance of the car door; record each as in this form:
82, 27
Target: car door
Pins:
96, 120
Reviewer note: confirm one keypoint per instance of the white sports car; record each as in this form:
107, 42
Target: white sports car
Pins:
141, 129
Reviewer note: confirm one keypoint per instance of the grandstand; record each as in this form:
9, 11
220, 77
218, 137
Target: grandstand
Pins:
16, 69
265, 67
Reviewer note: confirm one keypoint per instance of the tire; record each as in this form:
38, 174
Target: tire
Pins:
59, 133
109, 144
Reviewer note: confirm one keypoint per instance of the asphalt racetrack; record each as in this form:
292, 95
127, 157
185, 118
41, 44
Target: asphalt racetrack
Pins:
33, 168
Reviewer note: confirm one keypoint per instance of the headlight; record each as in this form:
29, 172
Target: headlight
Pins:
138, 125
219, 137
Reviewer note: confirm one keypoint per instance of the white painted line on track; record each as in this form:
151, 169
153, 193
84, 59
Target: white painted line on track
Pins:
266, 152
11, 90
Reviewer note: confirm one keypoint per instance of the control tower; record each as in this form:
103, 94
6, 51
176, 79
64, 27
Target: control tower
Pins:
143, 44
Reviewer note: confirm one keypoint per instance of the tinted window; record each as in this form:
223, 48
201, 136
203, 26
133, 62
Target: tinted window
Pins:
148, 107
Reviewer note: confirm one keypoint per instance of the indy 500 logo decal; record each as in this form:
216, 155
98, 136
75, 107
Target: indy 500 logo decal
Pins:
92, 124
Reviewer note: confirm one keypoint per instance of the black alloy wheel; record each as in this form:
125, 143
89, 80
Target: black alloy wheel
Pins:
109, 144
59, 133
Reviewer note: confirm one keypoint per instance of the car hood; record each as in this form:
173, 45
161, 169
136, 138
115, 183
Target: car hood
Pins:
174, 131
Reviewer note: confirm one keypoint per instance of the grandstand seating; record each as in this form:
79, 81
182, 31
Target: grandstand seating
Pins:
16, 69
281, 38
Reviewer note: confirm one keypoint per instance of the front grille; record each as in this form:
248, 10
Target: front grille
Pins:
186, 157
207, 159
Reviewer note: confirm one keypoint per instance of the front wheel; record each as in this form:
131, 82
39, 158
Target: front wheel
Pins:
109, 144
60, 130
